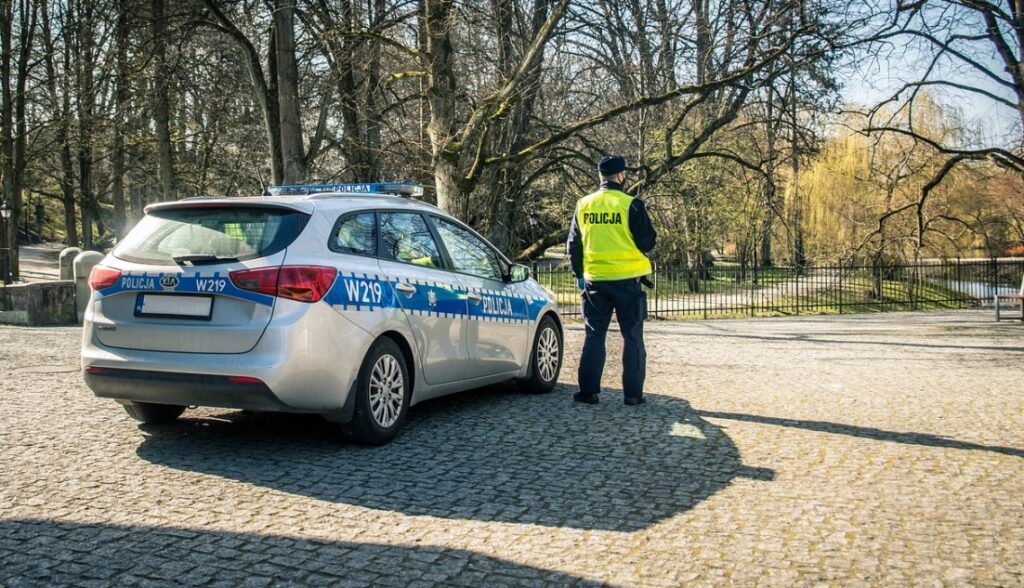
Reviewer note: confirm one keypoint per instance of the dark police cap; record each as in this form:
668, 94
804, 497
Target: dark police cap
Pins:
611, 165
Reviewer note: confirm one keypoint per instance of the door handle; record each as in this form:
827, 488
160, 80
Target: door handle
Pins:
407, 289
473, 297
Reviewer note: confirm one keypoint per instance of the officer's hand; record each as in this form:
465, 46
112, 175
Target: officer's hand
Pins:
581, 284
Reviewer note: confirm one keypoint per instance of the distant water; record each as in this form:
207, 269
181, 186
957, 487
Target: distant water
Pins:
980, 289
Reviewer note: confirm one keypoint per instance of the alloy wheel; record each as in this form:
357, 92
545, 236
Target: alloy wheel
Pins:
387, 391
548, 354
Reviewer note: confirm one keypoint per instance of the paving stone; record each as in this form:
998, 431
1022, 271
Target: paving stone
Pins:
873, 450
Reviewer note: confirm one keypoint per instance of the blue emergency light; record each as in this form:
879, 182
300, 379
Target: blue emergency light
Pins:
406, 189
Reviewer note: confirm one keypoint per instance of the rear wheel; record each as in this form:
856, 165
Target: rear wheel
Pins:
545, 358
153, 414
382, 395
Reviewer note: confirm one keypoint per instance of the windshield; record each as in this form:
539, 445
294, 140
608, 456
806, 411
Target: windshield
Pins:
193, 236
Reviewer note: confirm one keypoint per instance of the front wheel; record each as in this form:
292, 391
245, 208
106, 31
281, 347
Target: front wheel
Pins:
545, 358
382, 395
153, 414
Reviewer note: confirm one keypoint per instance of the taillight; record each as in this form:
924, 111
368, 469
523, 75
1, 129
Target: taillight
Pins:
263, 280
244, 380
305, 283
103, 277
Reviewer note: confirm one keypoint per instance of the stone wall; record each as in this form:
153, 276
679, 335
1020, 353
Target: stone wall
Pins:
38, 304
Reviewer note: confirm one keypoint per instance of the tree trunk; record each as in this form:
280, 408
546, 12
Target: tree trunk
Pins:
12, 112
705, 49
120, 108
506, 183
7, 129
507, 190
667, 51
768, 221
28, 24
769, 187
264, 90
442, 96
450, 194
799, 255
459, 148
373, 116
292, 151
161, 103
85, 62
507, 186
356, 142
61, 107
136, 200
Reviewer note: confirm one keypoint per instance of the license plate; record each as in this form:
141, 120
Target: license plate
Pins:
174, 306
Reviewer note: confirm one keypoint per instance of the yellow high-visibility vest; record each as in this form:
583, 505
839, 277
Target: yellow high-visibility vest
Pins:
609, 252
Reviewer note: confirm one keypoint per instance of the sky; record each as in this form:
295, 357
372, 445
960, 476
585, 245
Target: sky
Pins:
875, 76
997, 124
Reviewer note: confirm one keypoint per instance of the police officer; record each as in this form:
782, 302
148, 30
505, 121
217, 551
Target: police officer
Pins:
610, 236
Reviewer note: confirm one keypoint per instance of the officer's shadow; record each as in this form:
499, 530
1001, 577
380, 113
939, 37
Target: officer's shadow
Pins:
492, 454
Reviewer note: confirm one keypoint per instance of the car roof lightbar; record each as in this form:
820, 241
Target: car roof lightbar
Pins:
406, 189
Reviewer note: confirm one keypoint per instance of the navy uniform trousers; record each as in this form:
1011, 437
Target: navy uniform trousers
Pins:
629, 302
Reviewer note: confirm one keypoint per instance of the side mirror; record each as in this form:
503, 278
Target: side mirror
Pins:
518, 273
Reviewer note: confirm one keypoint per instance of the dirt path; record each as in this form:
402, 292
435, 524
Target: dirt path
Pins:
39, 262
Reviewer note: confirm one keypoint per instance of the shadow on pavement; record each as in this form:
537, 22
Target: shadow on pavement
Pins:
924, 439
490, 455
50, 553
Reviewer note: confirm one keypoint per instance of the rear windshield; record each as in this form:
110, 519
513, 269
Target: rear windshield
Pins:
210, 235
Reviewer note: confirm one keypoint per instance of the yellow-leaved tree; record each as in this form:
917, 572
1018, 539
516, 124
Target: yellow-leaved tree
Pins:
878, 197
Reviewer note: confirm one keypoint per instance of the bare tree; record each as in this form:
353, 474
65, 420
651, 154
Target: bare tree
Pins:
121, 98
15, 65
290, 114
270, 85
969, 46
59, 90
161, 101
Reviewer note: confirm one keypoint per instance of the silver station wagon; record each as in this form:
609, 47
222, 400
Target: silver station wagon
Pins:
348, 301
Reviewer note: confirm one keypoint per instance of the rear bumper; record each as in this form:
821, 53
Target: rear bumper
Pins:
183, 389
307, 361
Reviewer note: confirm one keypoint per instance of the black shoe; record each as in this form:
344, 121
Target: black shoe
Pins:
634, 400
585, 398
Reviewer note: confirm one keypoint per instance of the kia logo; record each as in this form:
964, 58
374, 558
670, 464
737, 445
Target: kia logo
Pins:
169, 281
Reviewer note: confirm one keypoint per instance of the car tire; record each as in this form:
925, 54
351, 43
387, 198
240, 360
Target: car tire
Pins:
382, 395
153, 414
545, 358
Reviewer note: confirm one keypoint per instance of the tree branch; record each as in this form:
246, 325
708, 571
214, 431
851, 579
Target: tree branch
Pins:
539, 246
734, 79
998, 155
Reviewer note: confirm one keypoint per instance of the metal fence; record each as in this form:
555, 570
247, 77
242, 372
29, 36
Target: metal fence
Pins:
732, 291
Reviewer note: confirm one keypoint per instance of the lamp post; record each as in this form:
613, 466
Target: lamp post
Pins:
5, 213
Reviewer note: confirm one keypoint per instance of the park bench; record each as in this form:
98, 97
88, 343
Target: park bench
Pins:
1019, 297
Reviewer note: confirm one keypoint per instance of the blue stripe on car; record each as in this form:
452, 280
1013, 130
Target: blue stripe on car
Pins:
197, 283
363, 292
359, 292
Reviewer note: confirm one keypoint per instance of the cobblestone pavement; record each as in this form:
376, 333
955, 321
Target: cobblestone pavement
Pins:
880, 450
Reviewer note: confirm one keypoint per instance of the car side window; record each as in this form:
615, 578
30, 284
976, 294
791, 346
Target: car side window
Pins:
469, 254
356, 234
406, 237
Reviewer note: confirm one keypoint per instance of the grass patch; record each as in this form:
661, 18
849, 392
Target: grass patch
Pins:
781, 293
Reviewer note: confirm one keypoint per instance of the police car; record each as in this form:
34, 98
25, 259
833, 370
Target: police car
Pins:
351, 301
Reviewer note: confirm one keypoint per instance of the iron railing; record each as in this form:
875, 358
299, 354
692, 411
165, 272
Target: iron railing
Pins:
731, 291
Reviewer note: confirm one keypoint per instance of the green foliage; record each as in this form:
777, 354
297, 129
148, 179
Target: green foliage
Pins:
856, 180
